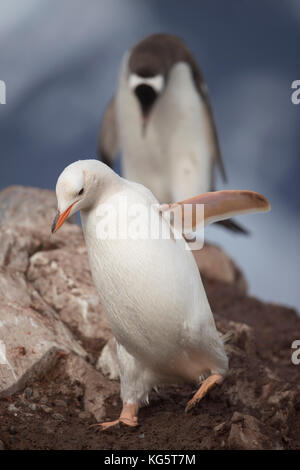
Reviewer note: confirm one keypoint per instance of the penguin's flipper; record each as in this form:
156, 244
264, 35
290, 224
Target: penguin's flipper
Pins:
108, 145
217, 154
218, 206
203, 90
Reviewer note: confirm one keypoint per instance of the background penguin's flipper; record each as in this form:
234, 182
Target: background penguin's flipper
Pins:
234, 226
108, 145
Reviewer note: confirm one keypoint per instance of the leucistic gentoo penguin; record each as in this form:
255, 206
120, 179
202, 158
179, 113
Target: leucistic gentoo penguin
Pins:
162, 122
150, 288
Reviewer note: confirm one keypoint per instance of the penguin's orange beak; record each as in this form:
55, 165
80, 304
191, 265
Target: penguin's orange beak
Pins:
60, 218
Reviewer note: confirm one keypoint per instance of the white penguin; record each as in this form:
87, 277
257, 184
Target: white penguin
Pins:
162, 122
150, 287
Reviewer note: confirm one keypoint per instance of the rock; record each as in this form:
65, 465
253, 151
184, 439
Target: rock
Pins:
15, 246
97, 387
62, 278
12, 408
32, 333
214, 263
282, 399
2, 447
12, 430
220, 428
46, 409
13, 289
245, 434
284, 404
59, 417
24, 206
49, 272
237, 417
241, 389
28, 393
48, 429
29, 340
84, 415
60, 403
29, 344
243, 337
35, 395
108, 360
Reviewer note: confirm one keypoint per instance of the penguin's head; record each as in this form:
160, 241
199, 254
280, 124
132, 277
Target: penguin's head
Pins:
78, 188
146, 79
150, 63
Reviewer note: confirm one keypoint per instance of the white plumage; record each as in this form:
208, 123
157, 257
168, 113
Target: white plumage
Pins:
150, 289
174, 154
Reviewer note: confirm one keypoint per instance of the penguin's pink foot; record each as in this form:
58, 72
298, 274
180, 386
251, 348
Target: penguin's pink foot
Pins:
107, 425
117, 422
127, 417
209, 383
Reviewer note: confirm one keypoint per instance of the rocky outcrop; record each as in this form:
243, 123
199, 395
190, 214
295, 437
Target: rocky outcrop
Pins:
62, 278
47, 299
97, 387
58, 364
26, 207
214, 263
246, 433
31, 333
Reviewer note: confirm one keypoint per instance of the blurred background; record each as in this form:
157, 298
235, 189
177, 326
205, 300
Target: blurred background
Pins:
60, 61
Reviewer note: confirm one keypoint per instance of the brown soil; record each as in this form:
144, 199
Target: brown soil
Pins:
49, 414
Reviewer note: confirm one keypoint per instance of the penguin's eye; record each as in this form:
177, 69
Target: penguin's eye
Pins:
80, 192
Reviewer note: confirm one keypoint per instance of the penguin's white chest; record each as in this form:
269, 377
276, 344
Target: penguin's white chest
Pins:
154, 311
173, 154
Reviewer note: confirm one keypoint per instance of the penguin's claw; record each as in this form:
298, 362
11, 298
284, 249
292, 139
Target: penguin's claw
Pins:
128, 417
117, 423
205, 387
107, 425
